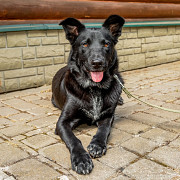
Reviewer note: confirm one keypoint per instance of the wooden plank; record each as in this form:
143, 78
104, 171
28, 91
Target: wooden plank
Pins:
144, 1
83, 9
16, 22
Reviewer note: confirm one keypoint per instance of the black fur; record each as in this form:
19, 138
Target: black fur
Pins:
81, 99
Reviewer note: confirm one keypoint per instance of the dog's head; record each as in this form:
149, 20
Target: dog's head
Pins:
93, 50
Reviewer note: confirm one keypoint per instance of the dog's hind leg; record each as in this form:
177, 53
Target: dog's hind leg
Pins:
120, 101
53, 102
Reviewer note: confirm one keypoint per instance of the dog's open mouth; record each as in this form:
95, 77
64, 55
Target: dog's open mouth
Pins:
97, 76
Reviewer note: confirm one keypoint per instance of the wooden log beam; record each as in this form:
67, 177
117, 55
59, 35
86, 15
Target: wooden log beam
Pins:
84, 9
145, 1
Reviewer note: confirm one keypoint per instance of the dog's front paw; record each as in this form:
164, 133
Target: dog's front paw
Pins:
82, 163
96, 150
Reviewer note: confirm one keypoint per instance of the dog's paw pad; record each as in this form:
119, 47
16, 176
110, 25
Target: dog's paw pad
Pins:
96, 150
82, 164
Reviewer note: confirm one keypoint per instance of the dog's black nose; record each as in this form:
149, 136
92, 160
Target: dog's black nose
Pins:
97, 63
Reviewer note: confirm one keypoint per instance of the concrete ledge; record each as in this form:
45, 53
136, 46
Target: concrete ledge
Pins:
27, 27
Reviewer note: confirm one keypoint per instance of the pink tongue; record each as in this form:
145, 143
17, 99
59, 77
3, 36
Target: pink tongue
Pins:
97, 76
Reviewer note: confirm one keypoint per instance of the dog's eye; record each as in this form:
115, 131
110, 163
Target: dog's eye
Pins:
85, 44
106, 45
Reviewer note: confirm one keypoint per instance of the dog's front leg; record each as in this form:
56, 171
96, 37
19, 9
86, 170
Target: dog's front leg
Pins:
97, 146
80, 160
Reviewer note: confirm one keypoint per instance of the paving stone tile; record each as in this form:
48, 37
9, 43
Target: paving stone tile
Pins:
44, 121
126, 112
45, 94
11, 101
47, 129
100, 171
177, 102
172, 126
166, 97
2, 136
21, 117
40, 111
10, 178
30, 98
42, 102
121, 177
139, 145
175, 143
129, 103
159, 135
19, 137
6, 122
149, 170
172, 106
36, 117
39, 141
147, 118
85, 140
152, 101
32, 169
20, 104
54, 165
16, 130
117, 137
144, 92
33, 132
9, 154
57, 153
24, 147
92, 131
119, 159
125, 98
1, 141
130, 126
7, 111
167, 155
177, 120
65, 177
2, 126
85, 128
51, 133
164, 114
3, 175
1, 104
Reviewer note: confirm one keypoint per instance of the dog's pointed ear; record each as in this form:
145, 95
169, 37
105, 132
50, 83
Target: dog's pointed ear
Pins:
114, 24
72, 28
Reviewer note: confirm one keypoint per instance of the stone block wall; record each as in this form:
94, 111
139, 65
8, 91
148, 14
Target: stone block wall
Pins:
148, 46
31, 58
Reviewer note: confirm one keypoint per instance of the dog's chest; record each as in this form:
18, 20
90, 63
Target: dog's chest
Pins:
96, 105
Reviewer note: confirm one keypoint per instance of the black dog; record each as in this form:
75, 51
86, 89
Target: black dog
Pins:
85, 90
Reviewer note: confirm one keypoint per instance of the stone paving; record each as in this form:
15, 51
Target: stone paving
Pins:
144, 143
